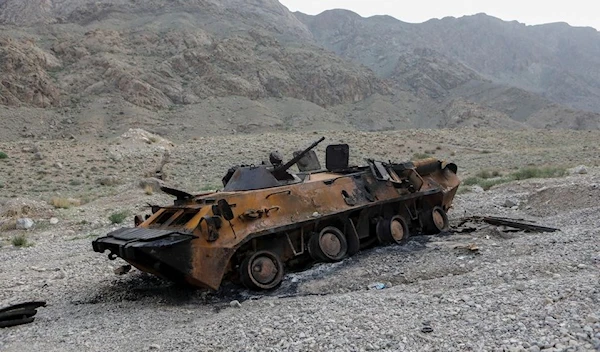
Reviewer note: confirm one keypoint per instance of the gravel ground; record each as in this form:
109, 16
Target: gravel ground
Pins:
518, 292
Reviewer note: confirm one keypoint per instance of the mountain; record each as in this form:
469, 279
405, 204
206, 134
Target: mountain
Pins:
104, 65
184, 68
556, 61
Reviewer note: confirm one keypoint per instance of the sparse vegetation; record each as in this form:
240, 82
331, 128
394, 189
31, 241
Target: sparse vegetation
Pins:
118, 217
534, 172
3, 155
148, 189
488, 179
421, 156
486, 174
20, 241
64, 203
8, 225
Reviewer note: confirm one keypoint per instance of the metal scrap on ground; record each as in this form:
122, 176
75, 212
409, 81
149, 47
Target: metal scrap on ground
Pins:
19, 314
497, 221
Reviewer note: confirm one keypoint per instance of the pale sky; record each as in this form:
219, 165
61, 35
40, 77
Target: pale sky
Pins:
575, 12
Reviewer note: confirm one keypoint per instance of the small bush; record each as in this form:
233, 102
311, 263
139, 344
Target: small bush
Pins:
464, 190
149, 190
3, 155
209, 187
64, 203
20, 241
489, 179
485, 174
535, 172
420, 156
471, 181
118, 217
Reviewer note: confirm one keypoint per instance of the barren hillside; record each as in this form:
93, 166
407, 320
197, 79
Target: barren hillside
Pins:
92, 69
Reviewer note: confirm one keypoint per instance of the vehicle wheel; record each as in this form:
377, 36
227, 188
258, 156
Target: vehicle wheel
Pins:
262, 270
394, 230
434, 220
330, 245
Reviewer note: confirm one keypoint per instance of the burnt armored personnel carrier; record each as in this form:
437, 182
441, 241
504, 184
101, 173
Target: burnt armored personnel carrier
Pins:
268, 219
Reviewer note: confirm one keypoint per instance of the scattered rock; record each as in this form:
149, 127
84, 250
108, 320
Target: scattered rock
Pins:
151, 182
115, 156
38, 156
579, 170
109, 181
509, 203
53, 221
30, 149
59, 276
58, 165
427, 329
235, 304
477, 189
24, 224
377, 286
154, 347
122, 270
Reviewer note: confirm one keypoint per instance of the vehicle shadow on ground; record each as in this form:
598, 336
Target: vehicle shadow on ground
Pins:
146, 288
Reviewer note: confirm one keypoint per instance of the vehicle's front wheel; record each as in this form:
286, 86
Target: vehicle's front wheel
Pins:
434, 221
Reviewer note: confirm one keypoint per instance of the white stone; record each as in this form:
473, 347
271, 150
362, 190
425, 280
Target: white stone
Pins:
53, 221
24, 224
579, 170
509, 203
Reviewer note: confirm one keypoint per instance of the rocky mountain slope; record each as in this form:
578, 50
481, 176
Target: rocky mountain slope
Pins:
199, 67
556, 61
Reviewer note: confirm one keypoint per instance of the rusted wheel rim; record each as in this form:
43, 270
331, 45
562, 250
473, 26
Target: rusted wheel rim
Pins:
397, 230
438, 219
264, 270
330, 244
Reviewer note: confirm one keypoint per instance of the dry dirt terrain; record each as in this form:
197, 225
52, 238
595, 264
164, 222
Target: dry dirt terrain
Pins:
517, 291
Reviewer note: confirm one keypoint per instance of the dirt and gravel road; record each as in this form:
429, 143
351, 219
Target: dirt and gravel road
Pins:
518, 292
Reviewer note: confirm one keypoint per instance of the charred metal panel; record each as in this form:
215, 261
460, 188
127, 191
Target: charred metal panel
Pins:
337, 157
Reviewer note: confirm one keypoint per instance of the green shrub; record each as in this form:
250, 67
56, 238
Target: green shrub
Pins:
488, 179
3, 155
118, 217
485, 174
535, 172
20, 241
420, 156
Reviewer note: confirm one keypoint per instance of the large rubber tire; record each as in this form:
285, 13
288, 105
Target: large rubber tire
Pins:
434, 221
262, 270
394, 230
329, 245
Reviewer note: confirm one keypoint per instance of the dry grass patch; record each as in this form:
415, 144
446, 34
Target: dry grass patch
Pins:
8, 225
149, 190
65, 203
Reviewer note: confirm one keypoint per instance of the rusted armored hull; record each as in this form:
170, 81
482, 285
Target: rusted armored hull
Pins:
250, 235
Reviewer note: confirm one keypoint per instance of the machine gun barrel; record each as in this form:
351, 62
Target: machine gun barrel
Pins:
297, 158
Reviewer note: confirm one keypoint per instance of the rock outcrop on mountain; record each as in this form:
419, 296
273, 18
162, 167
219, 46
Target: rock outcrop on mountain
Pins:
221, 16
25, 74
